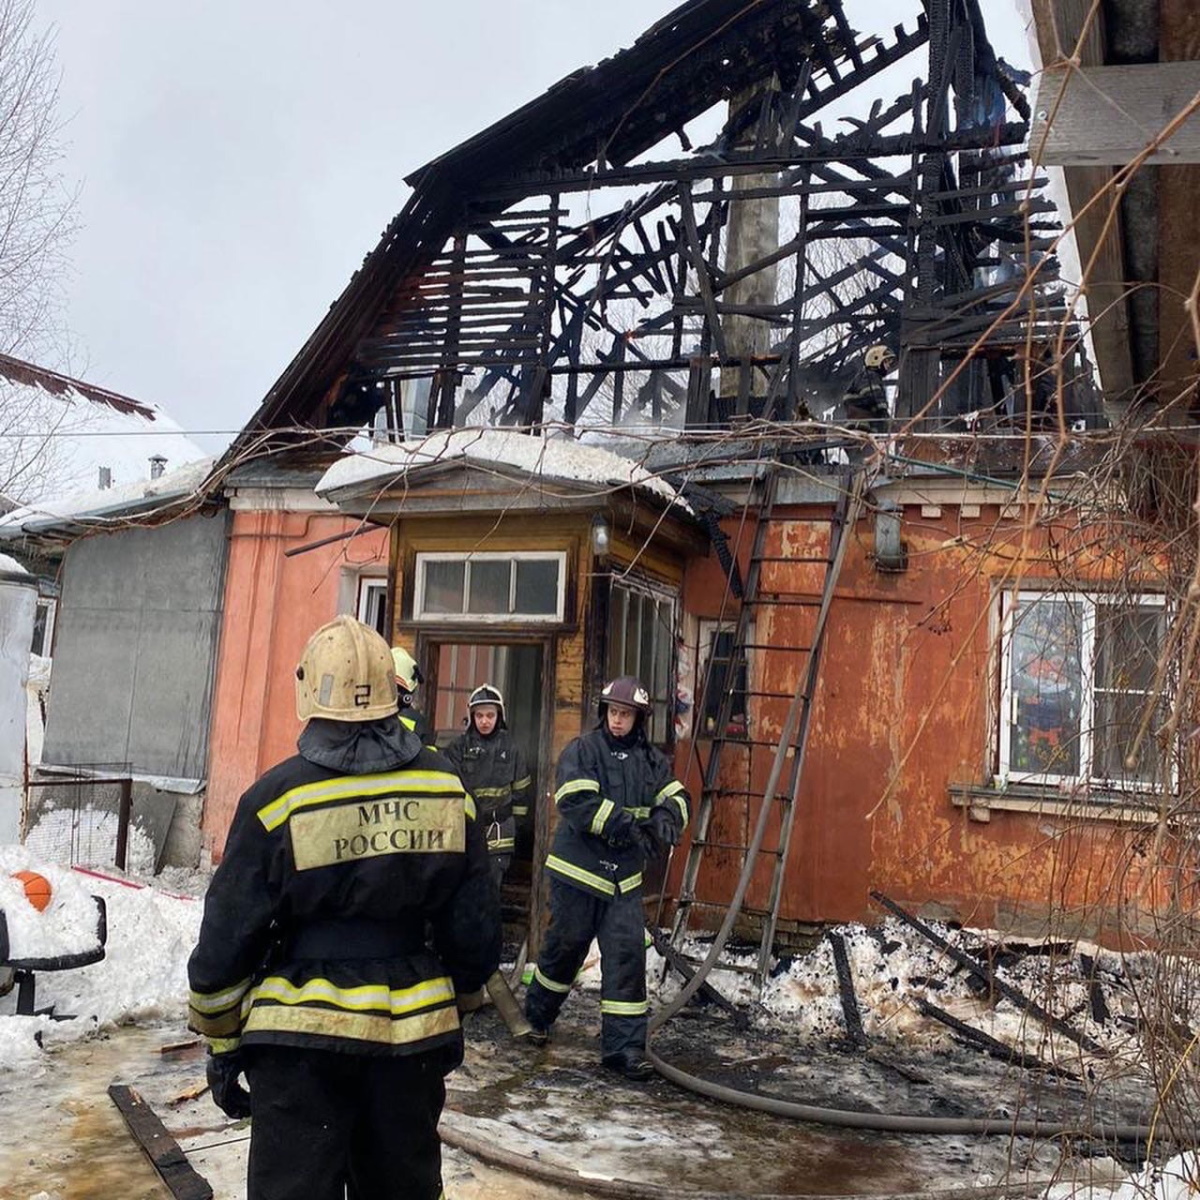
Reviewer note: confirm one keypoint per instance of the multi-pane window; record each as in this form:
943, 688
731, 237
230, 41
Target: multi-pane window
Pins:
641, 642
1077, 687
490, 586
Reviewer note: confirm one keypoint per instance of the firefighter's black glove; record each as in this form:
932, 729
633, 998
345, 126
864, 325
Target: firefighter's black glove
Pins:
646, 842
228, 1095
622, 833
664, 829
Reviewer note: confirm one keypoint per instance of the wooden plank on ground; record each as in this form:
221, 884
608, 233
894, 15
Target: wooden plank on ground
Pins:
181, 1178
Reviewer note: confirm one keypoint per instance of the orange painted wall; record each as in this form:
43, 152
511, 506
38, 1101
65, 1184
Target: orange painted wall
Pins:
903, 710
272, 606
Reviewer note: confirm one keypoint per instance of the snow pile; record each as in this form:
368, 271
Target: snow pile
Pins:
505, 450
88, 837
1177, 1179
142, 978
894, 970
10, 566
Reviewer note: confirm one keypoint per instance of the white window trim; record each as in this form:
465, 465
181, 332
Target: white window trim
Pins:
425, 557
51, 605
365, 585
1087, 650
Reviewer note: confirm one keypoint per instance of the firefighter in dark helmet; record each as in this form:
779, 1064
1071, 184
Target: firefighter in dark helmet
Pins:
619, 804
350, 912
492, 768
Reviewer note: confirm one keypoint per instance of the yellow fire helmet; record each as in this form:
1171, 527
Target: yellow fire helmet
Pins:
404, 667
345, 674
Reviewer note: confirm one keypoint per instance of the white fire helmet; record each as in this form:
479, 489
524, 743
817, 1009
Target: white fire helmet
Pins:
488, 693
345, 674
880, 357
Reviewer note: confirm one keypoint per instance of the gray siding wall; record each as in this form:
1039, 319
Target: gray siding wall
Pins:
135, 648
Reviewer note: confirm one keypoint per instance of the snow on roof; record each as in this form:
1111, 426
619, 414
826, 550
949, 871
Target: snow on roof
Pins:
10, 566
106, 505
60, 432
503, 449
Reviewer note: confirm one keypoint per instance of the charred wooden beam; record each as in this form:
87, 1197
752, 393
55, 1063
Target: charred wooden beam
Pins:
980, 972
989, 1045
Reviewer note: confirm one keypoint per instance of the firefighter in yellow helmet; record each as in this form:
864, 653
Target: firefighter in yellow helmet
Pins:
350, 912
408, 679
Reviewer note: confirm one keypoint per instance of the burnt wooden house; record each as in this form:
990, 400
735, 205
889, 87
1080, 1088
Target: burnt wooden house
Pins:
603, 356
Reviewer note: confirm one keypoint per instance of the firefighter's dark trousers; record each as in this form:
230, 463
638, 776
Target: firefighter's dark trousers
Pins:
619, 926
324, 1122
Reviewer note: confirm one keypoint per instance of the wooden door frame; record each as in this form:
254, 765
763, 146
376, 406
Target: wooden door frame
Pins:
427, 642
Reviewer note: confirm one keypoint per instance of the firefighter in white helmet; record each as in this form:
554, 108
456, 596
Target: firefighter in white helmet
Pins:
619, 804
490, 763
350, 913
865, 400
408, 679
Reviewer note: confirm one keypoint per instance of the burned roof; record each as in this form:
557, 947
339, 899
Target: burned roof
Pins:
702, 51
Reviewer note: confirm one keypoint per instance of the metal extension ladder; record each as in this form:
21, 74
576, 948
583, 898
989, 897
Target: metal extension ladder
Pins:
784, 780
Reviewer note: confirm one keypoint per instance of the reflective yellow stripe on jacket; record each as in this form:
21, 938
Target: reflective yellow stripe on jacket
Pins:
217, 1014
675, 793
369, 1013
600, 883
280, 810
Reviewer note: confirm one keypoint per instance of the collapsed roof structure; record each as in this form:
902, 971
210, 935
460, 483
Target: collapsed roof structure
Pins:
682, 236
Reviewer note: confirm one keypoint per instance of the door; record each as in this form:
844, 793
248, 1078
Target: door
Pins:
518, 669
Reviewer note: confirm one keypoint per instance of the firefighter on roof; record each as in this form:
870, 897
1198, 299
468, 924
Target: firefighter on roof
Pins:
865, 401
618, 804
492, 768
352, 909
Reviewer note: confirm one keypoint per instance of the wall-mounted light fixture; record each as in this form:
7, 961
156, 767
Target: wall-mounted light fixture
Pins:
891, 554
601, 535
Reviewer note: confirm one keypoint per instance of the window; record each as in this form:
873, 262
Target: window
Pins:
724, 672
371, 607
43, 626
641, 642
490, 587
1078, 673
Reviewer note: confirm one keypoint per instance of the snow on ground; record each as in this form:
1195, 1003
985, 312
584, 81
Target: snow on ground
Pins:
152, 927
142, 977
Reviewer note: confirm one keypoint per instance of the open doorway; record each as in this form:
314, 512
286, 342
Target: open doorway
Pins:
518, 669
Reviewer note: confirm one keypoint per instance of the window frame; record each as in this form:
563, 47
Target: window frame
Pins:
366, 588
1086, 777
709, 629
424, 557
659, 594
50, 604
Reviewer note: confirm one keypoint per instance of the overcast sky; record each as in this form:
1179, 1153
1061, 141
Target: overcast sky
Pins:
237, 159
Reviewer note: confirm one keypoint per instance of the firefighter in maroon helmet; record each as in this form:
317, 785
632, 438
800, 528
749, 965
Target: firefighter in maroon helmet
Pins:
619, 804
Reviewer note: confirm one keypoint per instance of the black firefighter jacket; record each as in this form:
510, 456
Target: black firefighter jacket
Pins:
604, 787
352, 903
493, 770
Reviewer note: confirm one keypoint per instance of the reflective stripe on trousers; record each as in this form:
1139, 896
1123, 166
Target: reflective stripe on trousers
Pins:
619, 926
